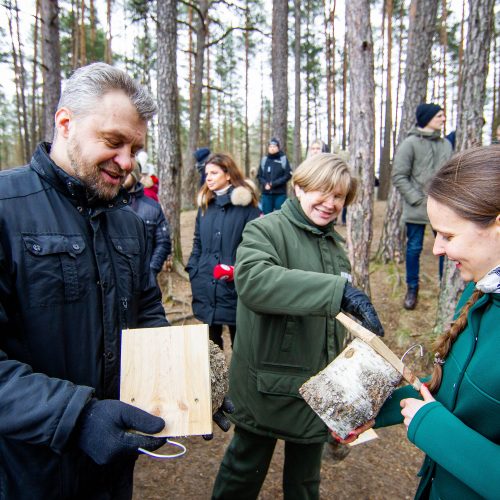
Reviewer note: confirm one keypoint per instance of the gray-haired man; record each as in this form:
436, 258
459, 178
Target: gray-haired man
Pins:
74, 272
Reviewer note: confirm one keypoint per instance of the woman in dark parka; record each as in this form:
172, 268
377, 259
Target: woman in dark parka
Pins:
226, 203
457, 424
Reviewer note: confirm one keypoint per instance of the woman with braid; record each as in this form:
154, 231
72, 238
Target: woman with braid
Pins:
455, 419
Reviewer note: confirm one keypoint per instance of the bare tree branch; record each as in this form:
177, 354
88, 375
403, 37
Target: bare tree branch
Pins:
194, 7
242, 28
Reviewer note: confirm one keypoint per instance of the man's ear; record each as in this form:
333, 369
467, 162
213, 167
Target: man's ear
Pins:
63, 119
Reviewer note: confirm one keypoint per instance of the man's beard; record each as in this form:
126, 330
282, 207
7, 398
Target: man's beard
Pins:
90, 174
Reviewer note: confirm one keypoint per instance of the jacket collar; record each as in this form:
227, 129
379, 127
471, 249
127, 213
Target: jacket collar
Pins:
435, 134
224, 199
137, 191
70, 186
292, 210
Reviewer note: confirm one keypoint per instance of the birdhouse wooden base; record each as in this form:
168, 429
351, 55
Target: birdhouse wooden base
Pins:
166, 371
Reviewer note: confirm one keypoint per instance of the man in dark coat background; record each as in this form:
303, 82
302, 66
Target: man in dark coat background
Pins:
152, 214
74, 272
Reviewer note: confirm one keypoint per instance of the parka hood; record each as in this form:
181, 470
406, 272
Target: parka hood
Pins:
238, 196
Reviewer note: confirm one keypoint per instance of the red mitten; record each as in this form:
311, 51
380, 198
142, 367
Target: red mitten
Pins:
224, 272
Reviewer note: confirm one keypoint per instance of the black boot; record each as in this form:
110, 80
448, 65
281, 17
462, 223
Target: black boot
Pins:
411, 298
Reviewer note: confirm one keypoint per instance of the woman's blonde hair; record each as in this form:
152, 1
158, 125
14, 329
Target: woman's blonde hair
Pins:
469, 184
228, 165
326, 172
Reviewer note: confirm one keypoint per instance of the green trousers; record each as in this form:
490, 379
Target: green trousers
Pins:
246, 461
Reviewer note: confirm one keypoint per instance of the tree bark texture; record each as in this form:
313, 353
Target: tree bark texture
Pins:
351, 390
472, 93
51, 68
169, 153
297, 149
418, 58
362, 140
385, 157
190, 177
279, 72
471, 99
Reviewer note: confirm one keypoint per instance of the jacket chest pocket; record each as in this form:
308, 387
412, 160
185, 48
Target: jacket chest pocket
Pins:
55, 272
127, 264
151, 230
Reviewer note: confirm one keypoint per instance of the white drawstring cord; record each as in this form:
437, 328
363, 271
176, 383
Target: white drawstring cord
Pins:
158, 455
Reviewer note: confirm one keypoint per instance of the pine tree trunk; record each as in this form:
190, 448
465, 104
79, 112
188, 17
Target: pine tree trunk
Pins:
418, 58
83, 37
385, 157
51, 69
108, 57
297, 53
345, 64
471, 98
34, 82
247, 67
279, 74
169, 151
362, 140
92, 31
190, 176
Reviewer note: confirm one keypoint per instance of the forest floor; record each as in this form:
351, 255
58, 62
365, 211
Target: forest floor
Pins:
384, 468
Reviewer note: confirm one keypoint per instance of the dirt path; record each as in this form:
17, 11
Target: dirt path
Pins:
381, 469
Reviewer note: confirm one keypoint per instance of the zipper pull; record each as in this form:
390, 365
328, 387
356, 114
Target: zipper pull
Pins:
124, 303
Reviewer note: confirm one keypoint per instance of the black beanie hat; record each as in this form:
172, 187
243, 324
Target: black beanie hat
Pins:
201, 154
274, 142
426, 112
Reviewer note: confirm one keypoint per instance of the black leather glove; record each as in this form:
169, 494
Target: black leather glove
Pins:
220, 418
103, 430
357, 303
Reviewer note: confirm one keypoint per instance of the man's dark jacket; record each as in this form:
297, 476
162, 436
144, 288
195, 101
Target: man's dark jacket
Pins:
157, 226
73, 272
274, 173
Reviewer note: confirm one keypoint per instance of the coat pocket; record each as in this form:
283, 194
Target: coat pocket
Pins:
127, 261
55, 272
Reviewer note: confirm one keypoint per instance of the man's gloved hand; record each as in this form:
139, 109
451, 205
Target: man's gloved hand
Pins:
224, 272
357, 303
220, 418
103, 430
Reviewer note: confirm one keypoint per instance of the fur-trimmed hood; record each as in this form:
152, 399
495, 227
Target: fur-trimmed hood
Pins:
240, 195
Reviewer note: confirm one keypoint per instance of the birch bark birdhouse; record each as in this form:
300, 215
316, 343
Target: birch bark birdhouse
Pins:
354, 386
351, 389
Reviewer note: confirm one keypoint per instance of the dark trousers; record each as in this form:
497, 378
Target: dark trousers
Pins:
215, 334
414, 244
246, 461
271, 202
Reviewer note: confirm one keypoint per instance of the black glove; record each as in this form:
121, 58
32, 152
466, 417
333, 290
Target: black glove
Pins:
220, 419
357, 303
103, 430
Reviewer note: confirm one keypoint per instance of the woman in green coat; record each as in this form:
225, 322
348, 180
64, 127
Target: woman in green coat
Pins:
456, 420
292, 278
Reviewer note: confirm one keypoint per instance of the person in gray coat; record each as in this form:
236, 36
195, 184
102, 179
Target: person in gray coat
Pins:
417, 159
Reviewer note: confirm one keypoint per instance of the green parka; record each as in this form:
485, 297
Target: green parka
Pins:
290, 277
460, 431
416, 160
